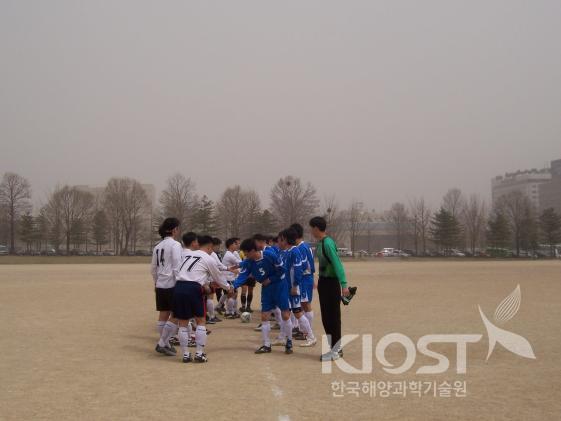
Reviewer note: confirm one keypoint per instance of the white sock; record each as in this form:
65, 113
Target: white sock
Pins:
190, 329
310, 316
278, 315
287, 329
210, 308
231, 306
167, 332
293, 319
281, 335
265, 329
306, 328
184, 339
223, 299
161, 325
200, 338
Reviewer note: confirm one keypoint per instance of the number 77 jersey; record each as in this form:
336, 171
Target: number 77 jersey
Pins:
198, 266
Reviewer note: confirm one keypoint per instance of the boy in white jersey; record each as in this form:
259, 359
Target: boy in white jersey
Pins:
232, 260
194, 275
165, 258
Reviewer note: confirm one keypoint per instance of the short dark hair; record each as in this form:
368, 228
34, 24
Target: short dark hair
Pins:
204, 240
188, 238
248, 245
319, 223
168, 226
289, 235
216, 241
229, 242
299, 230
260, 237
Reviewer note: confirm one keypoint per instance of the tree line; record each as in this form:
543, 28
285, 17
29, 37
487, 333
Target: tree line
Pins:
123, 218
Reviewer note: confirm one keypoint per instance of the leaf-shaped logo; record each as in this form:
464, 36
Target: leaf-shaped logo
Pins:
508, 308
505, 311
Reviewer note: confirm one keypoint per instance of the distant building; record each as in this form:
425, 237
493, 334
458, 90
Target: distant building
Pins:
527, 182
550, 192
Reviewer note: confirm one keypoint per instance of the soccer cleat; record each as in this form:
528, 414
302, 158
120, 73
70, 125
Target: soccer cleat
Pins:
278, 342
191, 343
187, 358
242, 309
329, 356
201, 358
309, 343
210, 322
172, 349
276, 326
263, 350
249, 310
216, 319
258, 327
220, 310
229, 316
300, 336
295, 330
288, 347
347, 300
164, 350
174, 341
237, 316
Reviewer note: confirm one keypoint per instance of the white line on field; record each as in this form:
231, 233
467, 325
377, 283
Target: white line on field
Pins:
277, 391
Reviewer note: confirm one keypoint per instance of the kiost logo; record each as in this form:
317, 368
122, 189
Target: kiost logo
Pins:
504, 312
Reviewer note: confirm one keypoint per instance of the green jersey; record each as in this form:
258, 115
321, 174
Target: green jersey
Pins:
329, 263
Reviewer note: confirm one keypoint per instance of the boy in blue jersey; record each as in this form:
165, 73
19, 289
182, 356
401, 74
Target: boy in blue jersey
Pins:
307, 290
294, 272
266, 267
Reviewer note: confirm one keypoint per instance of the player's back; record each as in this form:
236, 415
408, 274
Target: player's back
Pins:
194, 267
307, 258
165, 257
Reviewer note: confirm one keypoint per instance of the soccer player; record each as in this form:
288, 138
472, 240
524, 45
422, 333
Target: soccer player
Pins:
232, 260
266, 267
294, 270
332, 284
307, 290
165, 258
194, 275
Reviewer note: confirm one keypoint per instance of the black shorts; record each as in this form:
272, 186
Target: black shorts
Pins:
188, 300
251, 282
164, 298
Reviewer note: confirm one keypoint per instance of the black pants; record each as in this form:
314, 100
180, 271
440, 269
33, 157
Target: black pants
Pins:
329, 290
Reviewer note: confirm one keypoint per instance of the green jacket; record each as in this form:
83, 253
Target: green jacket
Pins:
333, 269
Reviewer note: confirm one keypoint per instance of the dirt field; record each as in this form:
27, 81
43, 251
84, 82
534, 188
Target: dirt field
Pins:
78, 343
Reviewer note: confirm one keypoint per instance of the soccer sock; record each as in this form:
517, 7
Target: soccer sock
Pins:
161, 325
243, 300
190, 329
281, 332
184, 339
200, 338
210, 308
231, 306
265, 329
287, 329
310, 316
294, 320
167, 332
222, 300
278, 315
249, 299
305, 327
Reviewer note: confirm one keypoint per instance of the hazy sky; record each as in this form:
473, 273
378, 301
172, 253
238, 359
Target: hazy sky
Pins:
376, 100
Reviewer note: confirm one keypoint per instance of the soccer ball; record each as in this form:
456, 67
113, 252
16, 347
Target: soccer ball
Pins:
245, 317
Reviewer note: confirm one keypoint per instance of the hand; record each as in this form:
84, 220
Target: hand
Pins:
265, 282
346, 292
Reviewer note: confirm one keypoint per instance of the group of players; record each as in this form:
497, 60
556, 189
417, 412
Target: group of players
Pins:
189, 275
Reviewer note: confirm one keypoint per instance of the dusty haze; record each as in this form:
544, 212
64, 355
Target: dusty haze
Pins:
375, 100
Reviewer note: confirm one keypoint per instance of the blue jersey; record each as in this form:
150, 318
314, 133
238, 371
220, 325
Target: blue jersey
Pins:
293, 267
307, 259
268, 267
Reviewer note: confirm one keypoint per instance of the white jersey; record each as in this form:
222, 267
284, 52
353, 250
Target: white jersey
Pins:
230, 259
166, 257
198, 266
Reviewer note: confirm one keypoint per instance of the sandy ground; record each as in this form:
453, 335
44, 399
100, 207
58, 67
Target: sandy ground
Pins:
77, 343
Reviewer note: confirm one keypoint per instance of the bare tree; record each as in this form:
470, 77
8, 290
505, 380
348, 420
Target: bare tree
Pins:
420, 221
453, 202
518, 210
237, 210
179, 199
125, 204
334, 217
474, 218
15, 193
356, 217
397, 216
291, 201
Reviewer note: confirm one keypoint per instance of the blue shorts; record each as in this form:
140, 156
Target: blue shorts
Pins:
188, 300
307, 289
275, 295
295, 301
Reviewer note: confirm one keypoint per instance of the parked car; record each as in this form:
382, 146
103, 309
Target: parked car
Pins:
344, 252
454, 253
109, 252
3, 250
410, 252
361, 253
385, 252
